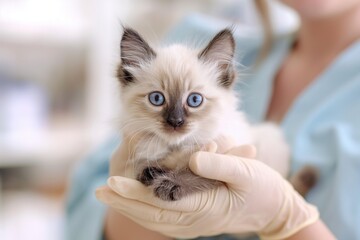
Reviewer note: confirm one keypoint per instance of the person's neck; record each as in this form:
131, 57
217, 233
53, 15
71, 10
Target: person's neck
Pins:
328, 37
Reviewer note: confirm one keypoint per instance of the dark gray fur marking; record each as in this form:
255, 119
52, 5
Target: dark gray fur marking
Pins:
174, 112
171, 185
221, 49
134, 50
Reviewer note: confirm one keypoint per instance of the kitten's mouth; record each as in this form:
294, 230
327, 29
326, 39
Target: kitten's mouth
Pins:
175, 130
174, 135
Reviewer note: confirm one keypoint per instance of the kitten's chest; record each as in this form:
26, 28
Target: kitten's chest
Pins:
151, 150
156, 152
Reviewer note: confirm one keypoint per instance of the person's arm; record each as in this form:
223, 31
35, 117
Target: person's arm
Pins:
315, 231
118, 227
84, 214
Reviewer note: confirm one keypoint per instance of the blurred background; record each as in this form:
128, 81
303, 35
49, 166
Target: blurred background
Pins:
58, 97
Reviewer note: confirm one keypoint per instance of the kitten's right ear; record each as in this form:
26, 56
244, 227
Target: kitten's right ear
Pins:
134, 51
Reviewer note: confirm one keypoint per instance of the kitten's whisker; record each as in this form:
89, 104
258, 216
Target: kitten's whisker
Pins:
147, 152
129, 123
132, 153
196, 142
157, 161
142, 130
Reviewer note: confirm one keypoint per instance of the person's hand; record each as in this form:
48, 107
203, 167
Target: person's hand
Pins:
121, 164
116, 225
254, 198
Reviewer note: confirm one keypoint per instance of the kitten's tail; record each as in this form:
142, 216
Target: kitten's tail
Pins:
274, 151
304, 180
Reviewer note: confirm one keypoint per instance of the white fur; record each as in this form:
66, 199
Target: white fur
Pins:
181, 65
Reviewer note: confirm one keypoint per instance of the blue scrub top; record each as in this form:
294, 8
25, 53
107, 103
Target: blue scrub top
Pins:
322, 127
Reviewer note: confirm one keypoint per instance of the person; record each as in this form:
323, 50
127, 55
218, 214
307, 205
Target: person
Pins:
309, 83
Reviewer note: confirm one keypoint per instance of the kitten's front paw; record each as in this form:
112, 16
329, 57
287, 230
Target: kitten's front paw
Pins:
148, 175
167, 190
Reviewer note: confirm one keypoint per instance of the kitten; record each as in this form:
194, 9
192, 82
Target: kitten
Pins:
176, 100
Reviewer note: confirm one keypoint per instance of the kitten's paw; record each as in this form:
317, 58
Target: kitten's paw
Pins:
168, 190
148, 175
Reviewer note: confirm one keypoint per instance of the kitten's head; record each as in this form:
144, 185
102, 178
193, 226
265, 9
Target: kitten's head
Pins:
176, 93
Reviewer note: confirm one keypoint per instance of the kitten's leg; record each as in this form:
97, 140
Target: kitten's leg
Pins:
274, 151
174, 185
272, 147
148, 175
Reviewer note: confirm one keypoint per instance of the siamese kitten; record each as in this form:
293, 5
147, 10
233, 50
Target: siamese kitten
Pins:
176, 100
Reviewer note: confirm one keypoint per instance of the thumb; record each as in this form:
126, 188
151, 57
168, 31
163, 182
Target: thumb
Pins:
246, 151
225, 168
210, 147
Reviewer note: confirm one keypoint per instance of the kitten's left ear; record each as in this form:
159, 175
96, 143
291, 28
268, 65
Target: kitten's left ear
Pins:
220, 51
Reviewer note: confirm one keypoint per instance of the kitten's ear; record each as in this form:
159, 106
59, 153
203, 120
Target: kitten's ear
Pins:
134, 51
220, 51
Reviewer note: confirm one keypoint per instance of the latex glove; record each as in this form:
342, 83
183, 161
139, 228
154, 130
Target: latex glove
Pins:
254, 199
120, 165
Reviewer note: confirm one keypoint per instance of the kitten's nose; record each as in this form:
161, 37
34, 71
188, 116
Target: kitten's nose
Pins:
175, 122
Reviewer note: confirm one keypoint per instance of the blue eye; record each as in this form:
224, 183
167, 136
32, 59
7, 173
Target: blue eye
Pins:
156, 98
194, 100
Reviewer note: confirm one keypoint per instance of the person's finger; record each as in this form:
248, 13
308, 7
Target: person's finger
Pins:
176, 231
128, 187
133, 189
246, 151
224, 144
225, 168
210, 147
135, 209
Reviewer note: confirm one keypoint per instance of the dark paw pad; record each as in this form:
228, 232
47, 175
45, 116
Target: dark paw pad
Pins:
149, 174
168, 191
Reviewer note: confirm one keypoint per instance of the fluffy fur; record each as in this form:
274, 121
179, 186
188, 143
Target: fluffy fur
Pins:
163, 150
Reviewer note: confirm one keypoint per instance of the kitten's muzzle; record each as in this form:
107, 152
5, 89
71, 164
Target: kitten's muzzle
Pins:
175, 114
175, 121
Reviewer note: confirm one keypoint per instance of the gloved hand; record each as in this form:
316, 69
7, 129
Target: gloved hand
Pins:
120, 165
254, 198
